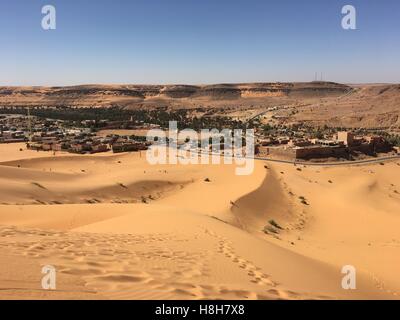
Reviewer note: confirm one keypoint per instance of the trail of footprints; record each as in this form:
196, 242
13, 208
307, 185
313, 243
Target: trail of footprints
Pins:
255, 273
149, 266
270, 289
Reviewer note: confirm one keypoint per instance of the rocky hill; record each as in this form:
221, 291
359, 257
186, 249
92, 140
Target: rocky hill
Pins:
317, 103
370, 106
155, 95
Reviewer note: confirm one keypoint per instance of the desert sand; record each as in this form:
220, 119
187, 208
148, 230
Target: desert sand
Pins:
115, 227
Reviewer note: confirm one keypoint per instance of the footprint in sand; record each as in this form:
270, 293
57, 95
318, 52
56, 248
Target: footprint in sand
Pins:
272, 290
255, 273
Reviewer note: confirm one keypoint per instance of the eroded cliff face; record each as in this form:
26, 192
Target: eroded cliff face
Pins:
109, 95
315, 103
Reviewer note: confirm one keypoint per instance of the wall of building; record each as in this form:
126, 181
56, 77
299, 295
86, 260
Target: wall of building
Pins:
278, 152
321, 152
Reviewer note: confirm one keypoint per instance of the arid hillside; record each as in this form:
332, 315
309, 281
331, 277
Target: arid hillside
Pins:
186, 96
314, 103
374, 106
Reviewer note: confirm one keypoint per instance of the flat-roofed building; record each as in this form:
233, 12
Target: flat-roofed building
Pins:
346, 137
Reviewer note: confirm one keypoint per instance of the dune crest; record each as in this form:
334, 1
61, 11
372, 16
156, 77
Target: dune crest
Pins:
120, 228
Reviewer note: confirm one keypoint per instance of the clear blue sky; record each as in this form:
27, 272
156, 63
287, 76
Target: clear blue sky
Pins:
202, 41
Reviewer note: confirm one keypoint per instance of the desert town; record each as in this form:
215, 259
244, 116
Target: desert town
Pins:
287, 144
77, 193
81, 171
200, 150
166, 151
342, 145
50, 135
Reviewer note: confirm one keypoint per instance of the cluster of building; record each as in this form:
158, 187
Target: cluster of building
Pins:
343, 145
281, 142
53, 135
10, 129
84, 143
18, 128
9, 136
74, 143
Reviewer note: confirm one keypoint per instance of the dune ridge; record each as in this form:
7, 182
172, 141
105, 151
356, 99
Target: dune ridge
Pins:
204, 236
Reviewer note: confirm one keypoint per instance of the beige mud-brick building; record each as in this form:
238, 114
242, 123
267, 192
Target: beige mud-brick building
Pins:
346, 137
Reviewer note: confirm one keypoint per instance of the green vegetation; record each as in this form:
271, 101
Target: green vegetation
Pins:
394, 140
99, 117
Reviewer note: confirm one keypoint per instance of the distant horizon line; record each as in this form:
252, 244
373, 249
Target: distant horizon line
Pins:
196, 84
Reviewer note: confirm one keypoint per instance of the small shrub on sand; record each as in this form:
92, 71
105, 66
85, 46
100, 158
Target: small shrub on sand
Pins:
270, 229
303, 200
207, 180
274, 224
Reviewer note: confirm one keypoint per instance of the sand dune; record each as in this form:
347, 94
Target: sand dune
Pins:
268, 202
352, 215
196, 259
116, 227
